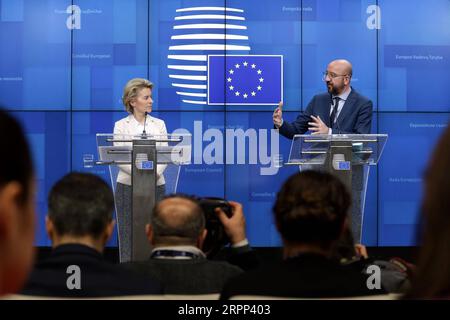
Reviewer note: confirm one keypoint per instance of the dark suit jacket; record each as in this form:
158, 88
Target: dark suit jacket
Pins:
196, 276
99, 278
354, 118
308, 276
243, 257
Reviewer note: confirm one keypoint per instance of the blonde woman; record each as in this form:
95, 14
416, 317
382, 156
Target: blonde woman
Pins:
138, 102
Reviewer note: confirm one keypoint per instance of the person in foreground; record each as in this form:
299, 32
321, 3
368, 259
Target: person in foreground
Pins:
79, 223
177, 233
310, 212
432, 278
17, 211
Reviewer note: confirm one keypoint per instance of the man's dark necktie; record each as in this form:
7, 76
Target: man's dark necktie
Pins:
334, 112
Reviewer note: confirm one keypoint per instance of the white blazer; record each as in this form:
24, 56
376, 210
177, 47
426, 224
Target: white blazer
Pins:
129, 125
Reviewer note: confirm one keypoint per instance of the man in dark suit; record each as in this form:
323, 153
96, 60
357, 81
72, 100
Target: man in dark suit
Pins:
177, 233
340, 110
79, 224
310, 213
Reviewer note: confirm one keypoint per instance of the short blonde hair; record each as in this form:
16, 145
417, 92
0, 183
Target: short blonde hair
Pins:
131, 91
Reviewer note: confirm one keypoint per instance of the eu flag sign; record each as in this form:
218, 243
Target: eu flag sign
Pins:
245, 79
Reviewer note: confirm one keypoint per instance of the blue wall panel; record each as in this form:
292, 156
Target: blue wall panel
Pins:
64, 82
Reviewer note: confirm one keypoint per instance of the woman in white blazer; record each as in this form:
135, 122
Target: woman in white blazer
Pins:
138, 102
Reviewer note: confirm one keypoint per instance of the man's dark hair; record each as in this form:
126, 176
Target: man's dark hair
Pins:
311, 208
80, 204
177, 223
16, 163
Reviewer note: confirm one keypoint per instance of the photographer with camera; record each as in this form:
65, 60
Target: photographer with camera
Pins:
232, 226
177, 232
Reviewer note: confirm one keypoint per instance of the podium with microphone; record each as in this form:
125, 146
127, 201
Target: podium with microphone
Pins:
347, 156
143, 153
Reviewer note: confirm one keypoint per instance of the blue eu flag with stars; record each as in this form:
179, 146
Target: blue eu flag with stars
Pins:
245, 79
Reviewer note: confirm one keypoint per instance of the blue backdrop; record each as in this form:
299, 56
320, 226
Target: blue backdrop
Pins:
63, 66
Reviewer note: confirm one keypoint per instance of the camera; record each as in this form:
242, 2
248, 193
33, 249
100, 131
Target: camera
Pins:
216, 238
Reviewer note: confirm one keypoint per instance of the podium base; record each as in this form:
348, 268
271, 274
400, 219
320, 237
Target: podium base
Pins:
123, 196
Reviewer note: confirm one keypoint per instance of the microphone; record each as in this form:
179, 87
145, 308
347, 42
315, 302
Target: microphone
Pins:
336, 118
144, 134
332, 107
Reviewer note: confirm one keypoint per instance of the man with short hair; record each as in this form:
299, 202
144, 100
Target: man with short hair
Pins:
177, 232
310, 213
79, 224
340, 110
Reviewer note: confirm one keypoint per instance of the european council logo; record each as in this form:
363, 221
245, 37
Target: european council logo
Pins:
210, 61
